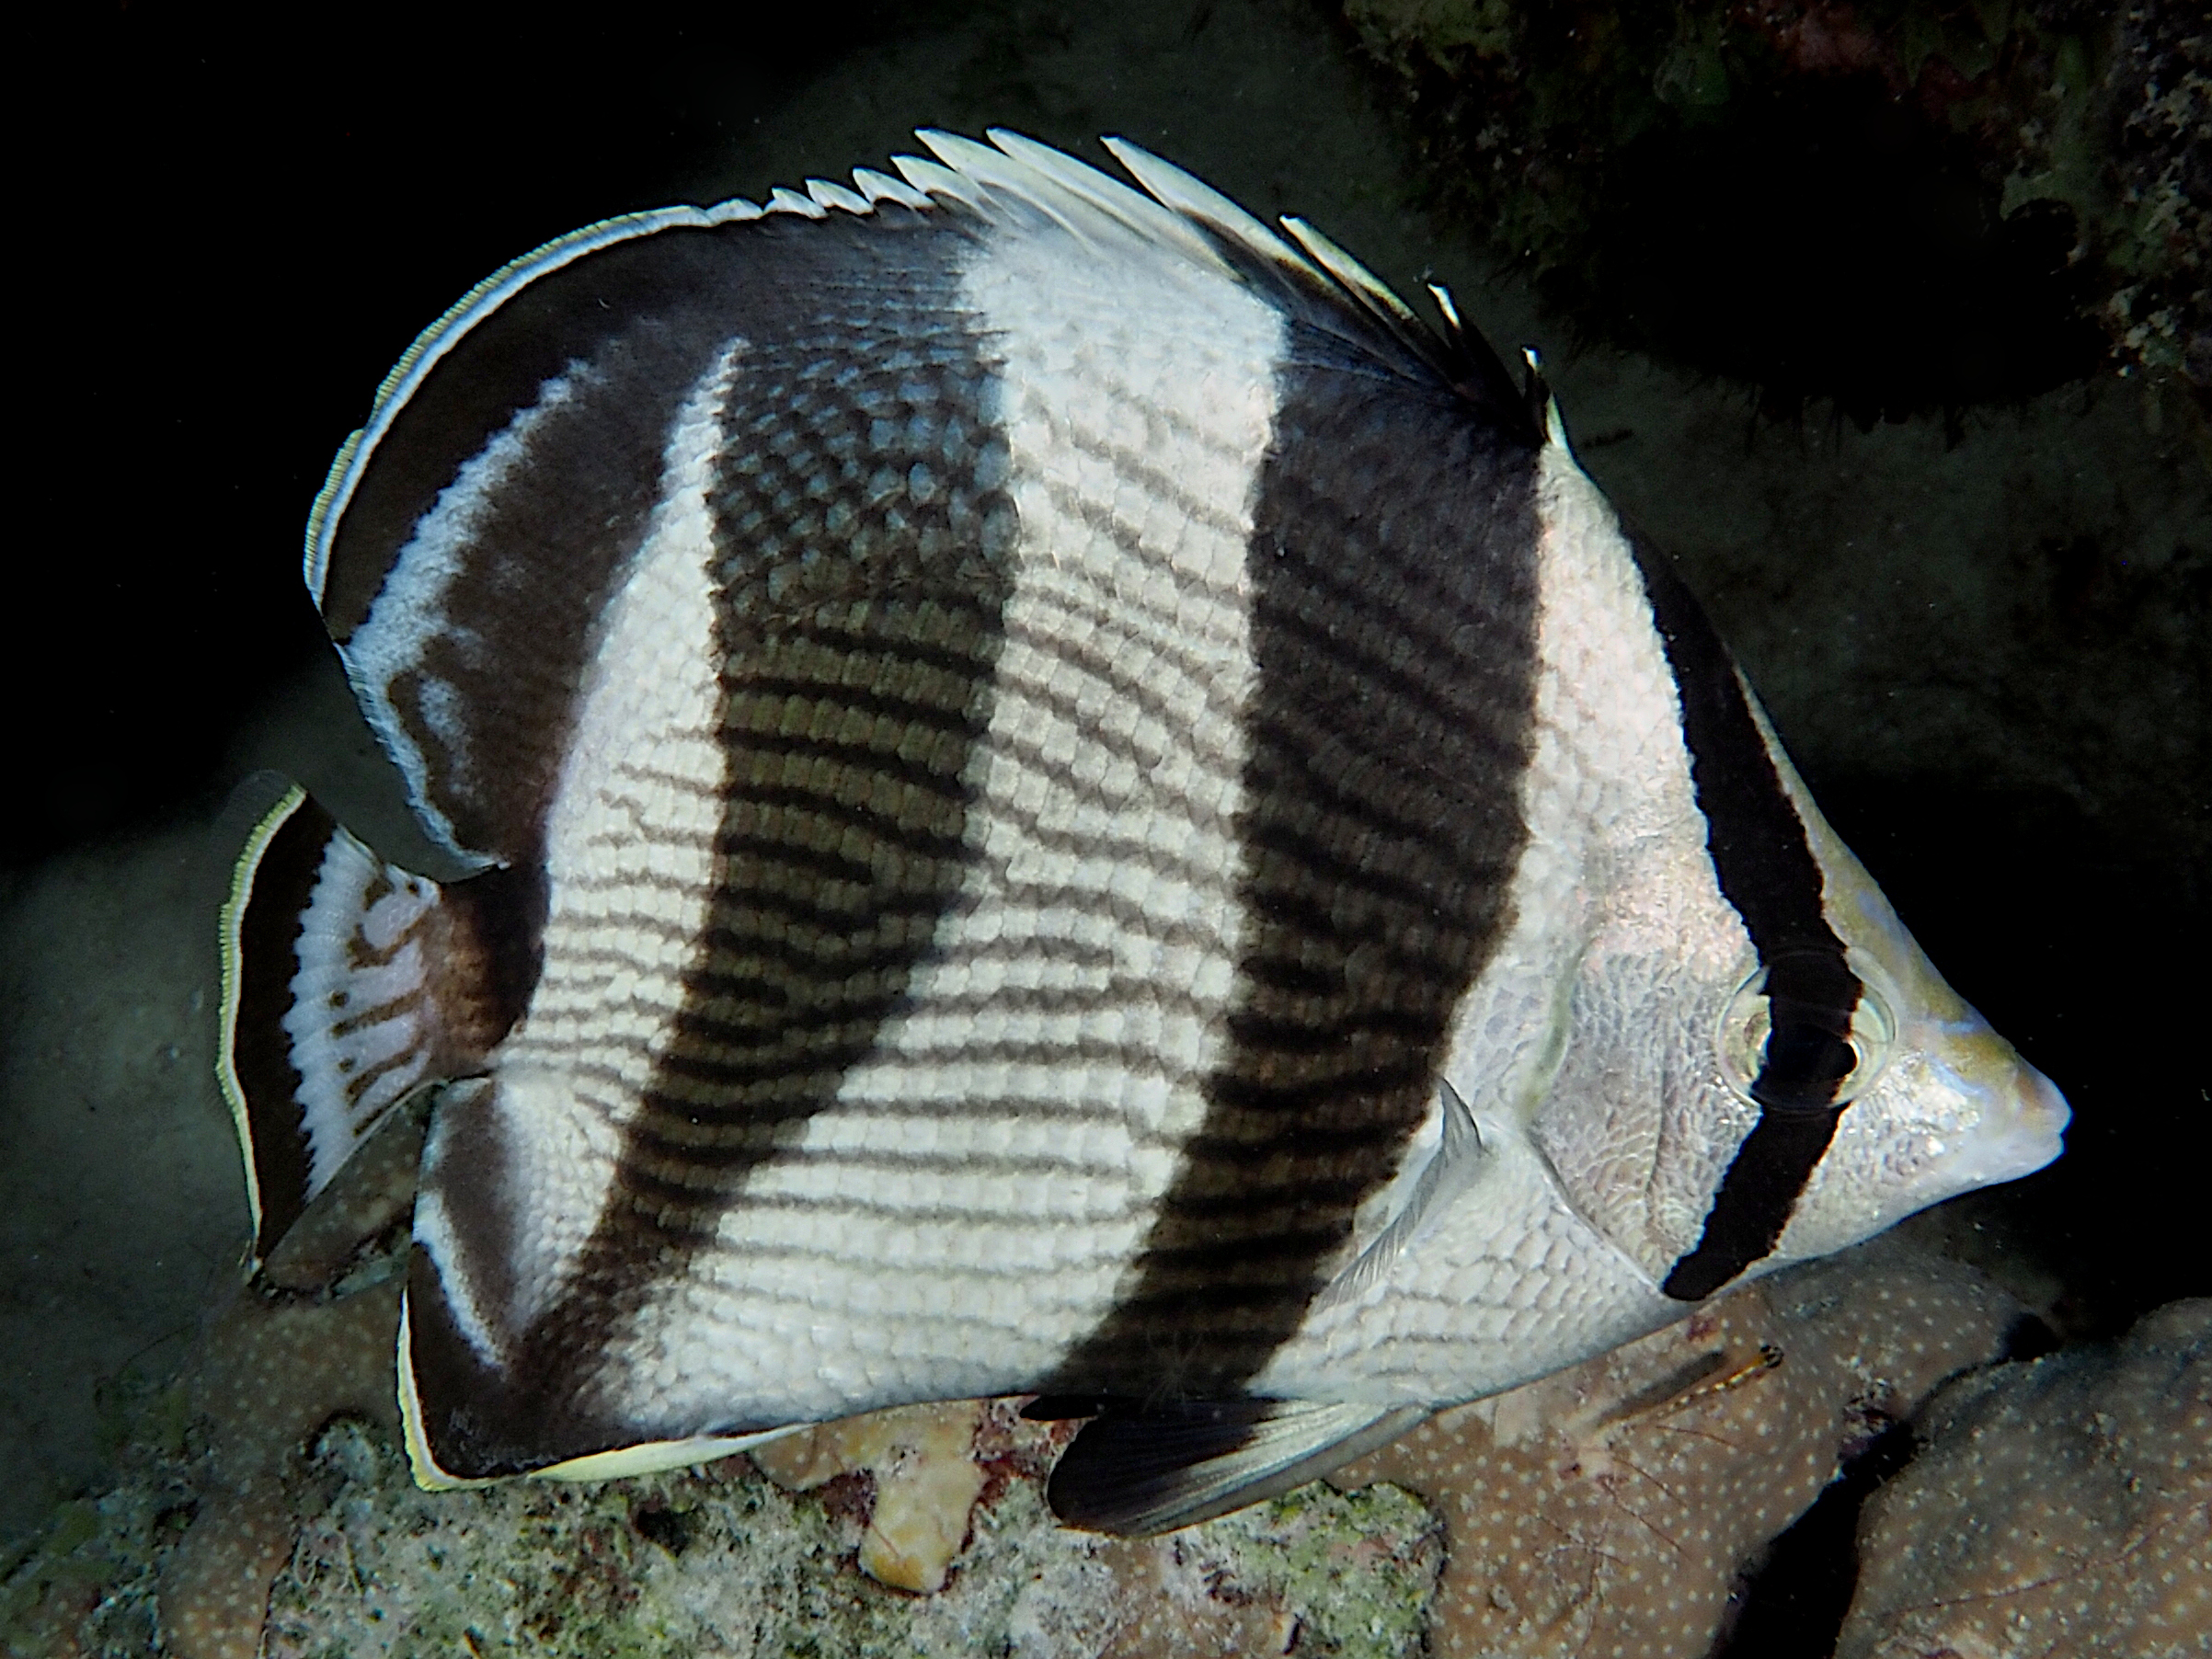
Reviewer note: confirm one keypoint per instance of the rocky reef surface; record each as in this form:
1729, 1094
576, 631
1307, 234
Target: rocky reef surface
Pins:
1893, 203
267, 1508
1615, 1506
2062, 1505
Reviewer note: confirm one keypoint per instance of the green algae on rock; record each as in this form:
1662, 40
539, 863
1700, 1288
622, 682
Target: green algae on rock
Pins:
723, 1562
1312, 1571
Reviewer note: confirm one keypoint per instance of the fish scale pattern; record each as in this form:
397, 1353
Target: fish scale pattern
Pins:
860, 547
1380, 833
1027, 1097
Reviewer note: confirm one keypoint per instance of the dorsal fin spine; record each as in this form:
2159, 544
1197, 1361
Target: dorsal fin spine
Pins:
782, 200
1175, 211
934, 179
880, 187
1191, 198
840, 197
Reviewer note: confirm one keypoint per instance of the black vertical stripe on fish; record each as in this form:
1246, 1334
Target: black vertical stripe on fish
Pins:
1756, 1196
1392, 563
862, 547
1766, 870
580, 374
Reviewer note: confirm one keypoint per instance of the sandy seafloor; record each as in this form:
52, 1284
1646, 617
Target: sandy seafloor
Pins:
1985, 654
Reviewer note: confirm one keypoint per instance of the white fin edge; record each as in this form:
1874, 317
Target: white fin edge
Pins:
648, 1457
230, 954
428, 348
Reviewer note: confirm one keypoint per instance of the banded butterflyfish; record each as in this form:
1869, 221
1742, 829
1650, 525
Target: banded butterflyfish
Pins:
1068, 799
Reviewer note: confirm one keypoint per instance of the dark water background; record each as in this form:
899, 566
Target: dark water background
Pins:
1980, 630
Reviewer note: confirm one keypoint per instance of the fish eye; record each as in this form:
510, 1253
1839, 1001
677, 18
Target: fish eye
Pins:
1797, 1063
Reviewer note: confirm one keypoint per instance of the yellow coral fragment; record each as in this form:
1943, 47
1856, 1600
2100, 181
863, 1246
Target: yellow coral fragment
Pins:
926, 1482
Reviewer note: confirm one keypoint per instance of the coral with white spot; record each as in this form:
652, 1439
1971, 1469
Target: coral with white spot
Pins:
1608, 1510
2058, 1507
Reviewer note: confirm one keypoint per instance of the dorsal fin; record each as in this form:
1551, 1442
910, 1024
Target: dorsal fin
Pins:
534, 420
1018, 180
427, 349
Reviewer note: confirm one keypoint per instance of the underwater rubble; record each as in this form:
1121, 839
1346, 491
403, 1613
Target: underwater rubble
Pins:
722, 1561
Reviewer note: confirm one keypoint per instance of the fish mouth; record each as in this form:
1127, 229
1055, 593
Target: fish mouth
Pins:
2023, 1116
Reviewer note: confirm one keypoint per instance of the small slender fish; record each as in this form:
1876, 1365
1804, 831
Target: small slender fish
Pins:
1067, 800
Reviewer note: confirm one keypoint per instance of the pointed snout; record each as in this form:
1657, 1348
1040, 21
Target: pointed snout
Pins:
2022, 1116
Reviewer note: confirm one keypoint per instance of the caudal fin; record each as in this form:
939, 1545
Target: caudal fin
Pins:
348, 983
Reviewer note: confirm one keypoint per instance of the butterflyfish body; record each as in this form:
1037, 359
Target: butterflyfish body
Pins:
1067, 800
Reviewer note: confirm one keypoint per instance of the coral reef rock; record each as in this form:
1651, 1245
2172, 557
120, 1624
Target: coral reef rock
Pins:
2063, 1505
1608, 1509
2027, 184
1315, 1572
719, 1562
716, 1562
276, 1373
310, 1339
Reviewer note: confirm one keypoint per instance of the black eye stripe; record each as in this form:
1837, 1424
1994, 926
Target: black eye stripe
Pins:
1766, 871
1809, 1051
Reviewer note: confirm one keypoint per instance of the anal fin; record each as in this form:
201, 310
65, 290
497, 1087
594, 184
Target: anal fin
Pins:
1140, 1469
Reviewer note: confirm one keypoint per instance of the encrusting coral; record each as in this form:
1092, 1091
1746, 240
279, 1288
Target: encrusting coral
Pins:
1608, 1510
277, 1375
310, 1338
1315, 1572
2063, 1505
182, 1553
